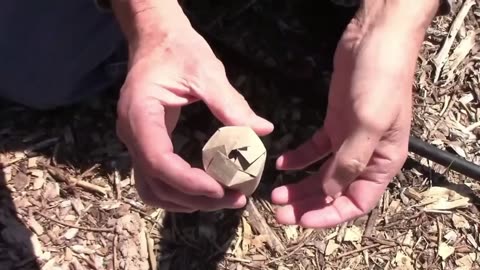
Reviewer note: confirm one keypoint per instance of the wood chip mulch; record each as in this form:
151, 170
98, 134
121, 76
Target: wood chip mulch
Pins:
67, 196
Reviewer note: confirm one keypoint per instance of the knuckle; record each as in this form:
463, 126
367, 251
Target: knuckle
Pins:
218, 66
403, 155
152, 163
372, 121
349, 167
146, 196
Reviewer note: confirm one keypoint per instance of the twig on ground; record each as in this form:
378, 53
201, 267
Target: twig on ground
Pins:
85, 173
402, 220
449, 104
341, 232
58, 175
439, 232
151, 253
372, 219
260, 225
75, 226
233, 259
387, 242
115, 245
358, 250
286, 255
116, 181
12, 162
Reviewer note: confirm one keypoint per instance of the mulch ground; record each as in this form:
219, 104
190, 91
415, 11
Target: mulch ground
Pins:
67, 197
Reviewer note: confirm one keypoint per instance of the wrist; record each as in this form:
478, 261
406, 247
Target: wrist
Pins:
405, 17
149, 21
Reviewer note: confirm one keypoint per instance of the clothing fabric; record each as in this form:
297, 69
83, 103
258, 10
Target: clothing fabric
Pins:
56, 52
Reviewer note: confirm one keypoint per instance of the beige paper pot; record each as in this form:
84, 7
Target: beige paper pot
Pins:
235, 157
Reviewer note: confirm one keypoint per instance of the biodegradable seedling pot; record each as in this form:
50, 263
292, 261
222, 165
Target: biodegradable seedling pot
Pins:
235, 157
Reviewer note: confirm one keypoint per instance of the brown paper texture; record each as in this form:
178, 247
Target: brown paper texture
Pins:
235, 157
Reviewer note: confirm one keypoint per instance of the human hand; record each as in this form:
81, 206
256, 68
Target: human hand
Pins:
366, 130
171, 69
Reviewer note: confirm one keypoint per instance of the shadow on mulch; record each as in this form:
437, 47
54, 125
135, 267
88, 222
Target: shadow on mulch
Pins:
200, 240
16, 249
438, 179
44, 134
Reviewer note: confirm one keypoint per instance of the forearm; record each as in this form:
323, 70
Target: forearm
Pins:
403, 17
399, 23
145, 21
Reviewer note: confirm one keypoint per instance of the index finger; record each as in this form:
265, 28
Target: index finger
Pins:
153, 150
349, 161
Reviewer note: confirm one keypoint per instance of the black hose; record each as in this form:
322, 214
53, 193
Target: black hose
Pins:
444, 158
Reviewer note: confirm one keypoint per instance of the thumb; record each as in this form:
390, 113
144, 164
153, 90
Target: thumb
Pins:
231, 108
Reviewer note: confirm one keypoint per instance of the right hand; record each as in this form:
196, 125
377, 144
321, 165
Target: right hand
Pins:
168, 70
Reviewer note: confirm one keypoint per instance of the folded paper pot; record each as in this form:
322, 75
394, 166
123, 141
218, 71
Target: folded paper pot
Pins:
235, 157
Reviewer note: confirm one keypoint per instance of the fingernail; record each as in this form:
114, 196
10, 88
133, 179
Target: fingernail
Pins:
286, 215
216, 194
279, 195
240, 202
279, 162
262, 123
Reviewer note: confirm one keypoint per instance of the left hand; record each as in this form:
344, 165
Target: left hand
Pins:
367, 128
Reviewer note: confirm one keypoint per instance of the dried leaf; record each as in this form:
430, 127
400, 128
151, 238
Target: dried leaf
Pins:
451, 236
37, 173
443, 198
259, 241
78, 206
7, 172
51, 264
81, 249
445, 250
38, 183
68, 254
459, 150
69, 218
394, 206
247, 236
109, 205
36, 227
259, 257
143, 244
32, 162
353, 234
76, 264
466, 261
331, 247
70, 233
460, 222
291, 232
472, 241
408, 240
21, 181
36, 245
467, 98
47, 255
52, 191
402, 261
